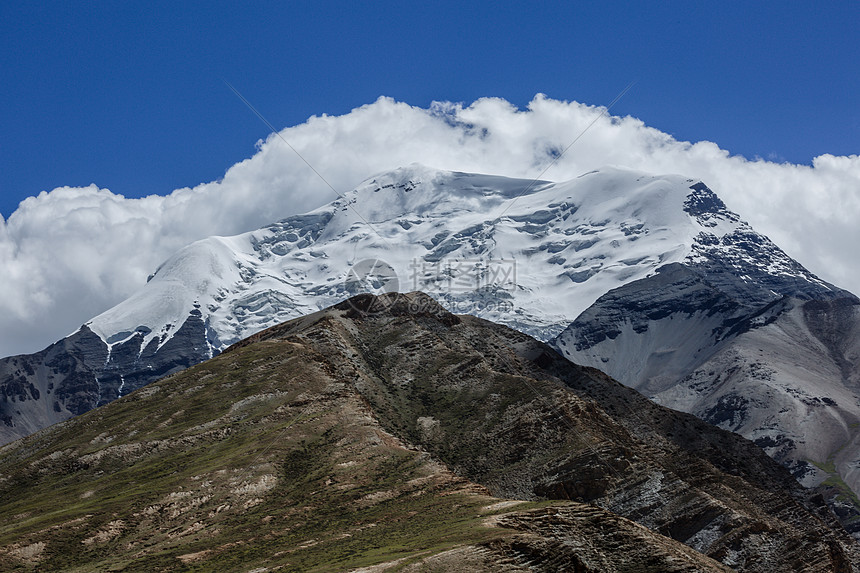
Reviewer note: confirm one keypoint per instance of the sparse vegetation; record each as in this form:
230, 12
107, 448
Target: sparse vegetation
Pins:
193, 449
321, 445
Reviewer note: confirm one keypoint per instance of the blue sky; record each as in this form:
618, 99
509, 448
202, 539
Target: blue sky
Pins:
130, 96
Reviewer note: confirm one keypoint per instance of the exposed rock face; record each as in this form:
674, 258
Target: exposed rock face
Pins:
783, 374
742, 263
386, 430
40, 389
572, 537
81, 372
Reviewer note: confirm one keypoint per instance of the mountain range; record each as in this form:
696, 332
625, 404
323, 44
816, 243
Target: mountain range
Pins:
651, 279
386, 433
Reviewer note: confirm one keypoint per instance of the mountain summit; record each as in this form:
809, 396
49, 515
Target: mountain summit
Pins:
651, 278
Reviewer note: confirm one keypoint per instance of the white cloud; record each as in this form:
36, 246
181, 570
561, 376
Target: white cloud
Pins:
69, 254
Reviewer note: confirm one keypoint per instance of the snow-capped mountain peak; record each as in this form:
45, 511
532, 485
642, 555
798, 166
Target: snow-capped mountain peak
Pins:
461, 237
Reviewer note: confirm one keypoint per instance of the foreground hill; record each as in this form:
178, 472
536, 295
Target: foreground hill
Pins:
387, 430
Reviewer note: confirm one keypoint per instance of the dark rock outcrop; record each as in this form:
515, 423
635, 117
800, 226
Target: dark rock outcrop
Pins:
81, 371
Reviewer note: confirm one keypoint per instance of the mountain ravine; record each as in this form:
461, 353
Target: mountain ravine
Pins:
387, 432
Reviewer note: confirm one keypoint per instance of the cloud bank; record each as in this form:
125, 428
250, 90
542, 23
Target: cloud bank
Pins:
72, 253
